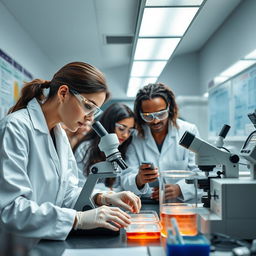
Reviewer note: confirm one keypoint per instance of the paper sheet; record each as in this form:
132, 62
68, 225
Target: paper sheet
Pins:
127, 251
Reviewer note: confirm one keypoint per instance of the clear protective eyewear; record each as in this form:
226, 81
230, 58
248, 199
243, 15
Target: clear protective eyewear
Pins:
123, 129
160, 115
89, 107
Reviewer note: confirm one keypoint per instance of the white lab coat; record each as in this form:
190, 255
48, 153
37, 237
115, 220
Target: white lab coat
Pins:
38, 186
81, 158
172, 157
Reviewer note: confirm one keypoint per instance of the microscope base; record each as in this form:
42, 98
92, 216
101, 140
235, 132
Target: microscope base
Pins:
233, 210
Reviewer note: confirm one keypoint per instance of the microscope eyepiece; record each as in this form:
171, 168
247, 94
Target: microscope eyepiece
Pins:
224, 131
99, 129
187, 139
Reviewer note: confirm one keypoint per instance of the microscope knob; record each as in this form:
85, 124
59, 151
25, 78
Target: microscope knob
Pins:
234, 159
94, 170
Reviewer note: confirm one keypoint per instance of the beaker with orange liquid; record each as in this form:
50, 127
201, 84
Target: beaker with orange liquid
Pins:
184, 213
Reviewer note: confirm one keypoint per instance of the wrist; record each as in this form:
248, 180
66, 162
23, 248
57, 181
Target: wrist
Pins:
98, 199
103, 198
139, 184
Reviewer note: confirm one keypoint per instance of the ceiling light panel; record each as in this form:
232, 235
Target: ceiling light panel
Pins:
173, 2
251, 55
237, 67
135, 83
155, 48
147, 68
166, 22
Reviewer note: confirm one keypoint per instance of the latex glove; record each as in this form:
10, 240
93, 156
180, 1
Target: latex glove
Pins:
106, 217
146, 175
126, 200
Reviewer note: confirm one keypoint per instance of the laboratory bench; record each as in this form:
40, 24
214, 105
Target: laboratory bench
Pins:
56, 248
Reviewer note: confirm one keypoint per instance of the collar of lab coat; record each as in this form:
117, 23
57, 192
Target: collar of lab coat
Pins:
37, 116
150, 141
39, 122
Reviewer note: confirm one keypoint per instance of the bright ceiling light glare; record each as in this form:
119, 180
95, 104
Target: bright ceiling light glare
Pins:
166, 21
135, 83
147, 68
155, 48
220, 79
251, 55
238, 67
173, 2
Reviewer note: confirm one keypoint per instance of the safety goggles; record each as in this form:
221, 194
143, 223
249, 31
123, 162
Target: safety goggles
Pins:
89, 107
160, 115
123, 129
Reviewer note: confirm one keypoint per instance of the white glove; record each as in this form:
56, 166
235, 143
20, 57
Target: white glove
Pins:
126, 200
106, 217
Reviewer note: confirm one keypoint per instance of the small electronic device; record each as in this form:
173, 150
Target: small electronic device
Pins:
152, 167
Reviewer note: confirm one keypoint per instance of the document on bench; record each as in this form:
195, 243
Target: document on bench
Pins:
125, 251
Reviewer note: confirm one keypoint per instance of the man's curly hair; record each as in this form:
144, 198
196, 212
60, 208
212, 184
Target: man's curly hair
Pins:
149, 92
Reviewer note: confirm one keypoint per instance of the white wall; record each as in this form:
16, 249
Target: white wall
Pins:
232, 41
117, 81
182, 74
15, 42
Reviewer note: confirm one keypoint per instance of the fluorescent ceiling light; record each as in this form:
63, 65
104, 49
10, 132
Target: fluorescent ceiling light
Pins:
237, 67
173, 2
251, 55
166, 21
135, 83
220, 79
206, 95
155, 48
147, 68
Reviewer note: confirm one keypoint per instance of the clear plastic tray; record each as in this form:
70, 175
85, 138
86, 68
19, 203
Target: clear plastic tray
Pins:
145, 225
144, 216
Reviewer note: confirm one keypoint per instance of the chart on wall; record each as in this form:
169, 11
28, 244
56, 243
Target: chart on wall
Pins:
244, 101
218, 108
12, 78
230, 103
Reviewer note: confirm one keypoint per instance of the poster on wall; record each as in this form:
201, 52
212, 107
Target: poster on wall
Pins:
230, 103
12, 78
218, 109
244, 101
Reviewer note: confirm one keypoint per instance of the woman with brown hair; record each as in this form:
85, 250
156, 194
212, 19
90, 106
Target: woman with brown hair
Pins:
119, 119
38, 172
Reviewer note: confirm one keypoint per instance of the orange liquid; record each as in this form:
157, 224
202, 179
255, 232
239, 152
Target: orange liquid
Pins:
143, 235
187, 221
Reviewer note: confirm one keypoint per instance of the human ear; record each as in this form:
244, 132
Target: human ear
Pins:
63, 92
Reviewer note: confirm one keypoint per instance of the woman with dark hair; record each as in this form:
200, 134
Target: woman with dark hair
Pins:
117, 118
38, 172
157, 142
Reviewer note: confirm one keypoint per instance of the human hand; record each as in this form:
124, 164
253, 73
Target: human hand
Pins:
146, 175
172, 191
155, 193
126, 199
106, 217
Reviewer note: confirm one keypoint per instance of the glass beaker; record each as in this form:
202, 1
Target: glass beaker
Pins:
170, 207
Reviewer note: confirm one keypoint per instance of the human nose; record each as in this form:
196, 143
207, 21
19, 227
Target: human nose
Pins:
126, 134
89, 117
155, 120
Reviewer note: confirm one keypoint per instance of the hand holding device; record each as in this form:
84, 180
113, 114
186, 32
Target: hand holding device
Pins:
147, 173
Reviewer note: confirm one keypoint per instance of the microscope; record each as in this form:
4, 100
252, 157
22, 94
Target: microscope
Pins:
107, 169
230, 198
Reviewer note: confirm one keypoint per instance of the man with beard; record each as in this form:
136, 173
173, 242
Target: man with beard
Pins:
156, 146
